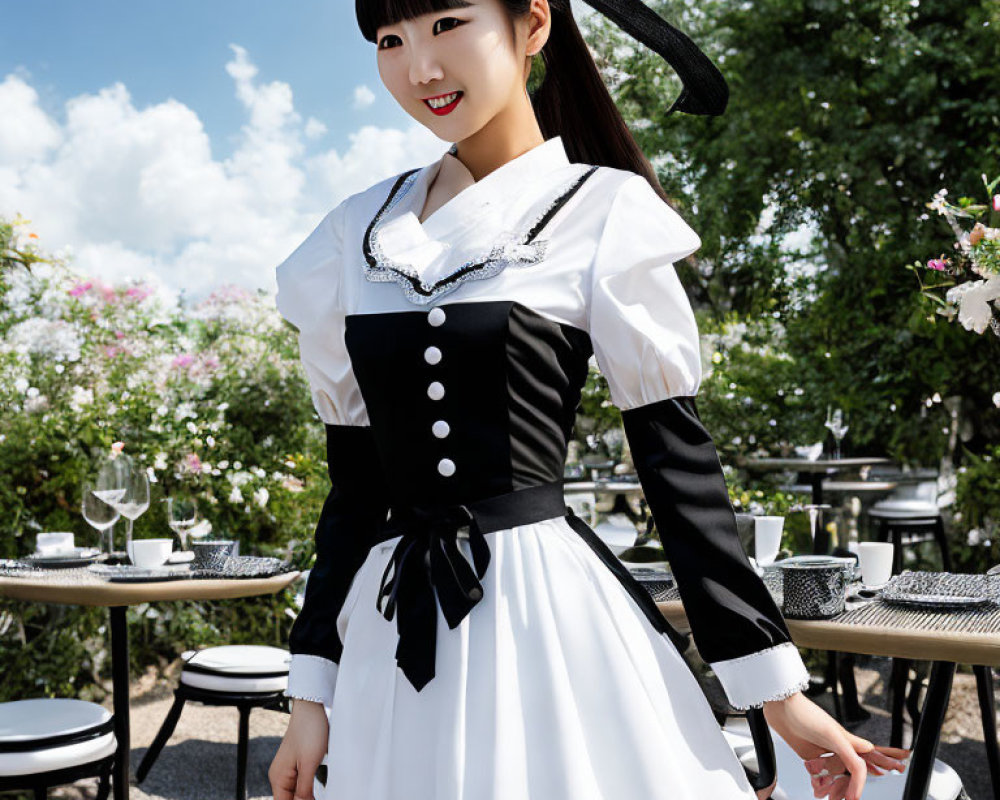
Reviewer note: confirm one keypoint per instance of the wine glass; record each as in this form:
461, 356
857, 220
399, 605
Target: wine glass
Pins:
836, 426
182, 513
131, 499
99, 515
111, 485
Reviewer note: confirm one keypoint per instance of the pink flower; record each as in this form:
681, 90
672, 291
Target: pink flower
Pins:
936, 263
184, 360
211, 362
110, 350
192, 462
138, 293
80, 288
116, 449
996, 202
119, 335
109, 294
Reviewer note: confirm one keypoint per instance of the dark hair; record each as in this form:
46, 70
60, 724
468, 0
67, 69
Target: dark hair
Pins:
591, 126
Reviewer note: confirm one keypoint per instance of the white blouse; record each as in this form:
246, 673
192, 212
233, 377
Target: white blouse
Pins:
611, 246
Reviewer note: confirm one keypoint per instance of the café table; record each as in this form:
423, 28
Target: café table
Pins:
946, 638
621, 489
80, 587
816, 469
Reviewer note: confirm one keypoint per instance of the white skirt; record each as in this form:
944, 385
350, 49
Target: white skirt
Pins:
555, 687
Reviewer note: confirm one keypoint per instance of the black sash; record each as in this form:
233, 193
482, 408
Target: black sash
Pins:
427, 559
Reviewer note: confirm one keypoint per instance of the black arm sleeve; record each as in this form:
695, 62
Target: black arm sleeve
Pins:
357, 503
730, 610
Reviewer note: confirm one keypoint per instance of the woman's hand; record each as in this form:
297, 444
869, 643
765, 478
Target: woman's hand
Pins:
837, 760
300, 753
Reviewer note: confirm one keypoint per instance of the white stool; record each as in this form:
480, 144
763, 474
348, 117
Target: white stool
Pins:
244, 676
52, 741
793, 779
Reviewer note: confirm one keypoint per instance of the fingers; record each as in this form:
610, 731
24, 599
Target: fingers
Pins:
304, 783
282, 782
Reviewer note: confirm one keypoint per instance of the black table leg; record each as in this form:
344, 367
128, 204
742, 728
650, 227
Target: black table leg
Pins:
897, 696
988, 708
119, 681
928, 732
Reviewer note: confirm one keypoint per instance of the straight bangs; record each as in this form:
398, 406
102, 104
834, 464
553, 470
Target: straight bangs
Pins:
373, 14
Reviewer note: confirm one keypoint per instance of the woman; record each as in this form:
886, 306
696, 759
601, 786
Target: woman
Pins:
480, 643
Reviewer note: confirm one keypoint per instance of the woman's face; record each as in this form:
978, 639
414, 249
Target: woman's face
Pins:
463, 58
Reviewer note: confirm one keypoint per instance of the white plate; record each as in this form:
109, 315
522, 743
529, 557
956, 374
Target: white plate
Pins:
181, 557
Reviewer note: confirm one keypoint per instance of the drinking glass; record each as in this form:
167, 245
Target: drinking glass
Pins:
836, 426
130, 495
99, 515
182, 514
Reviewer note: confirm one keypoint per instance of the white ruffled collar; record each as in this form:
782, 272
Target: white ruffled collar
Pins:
487, 225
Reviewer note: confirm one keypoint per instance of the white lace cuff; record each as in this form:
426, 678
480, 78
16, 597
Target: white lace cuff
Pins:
771, 674
311, 678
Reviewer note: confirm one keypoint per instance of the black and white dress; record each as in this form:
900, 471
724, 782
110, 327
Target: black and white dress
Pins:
470, 639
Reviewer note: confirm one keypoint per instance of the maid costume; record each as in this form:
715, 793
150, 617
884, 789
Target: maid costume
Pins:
469, 636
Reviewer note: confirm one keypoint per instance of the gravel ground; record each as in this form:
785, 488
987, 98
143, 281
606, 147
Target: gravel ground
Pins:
199, 762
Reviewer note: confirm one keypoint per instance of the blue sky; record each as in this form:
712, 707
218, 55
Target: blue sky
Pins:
179, 49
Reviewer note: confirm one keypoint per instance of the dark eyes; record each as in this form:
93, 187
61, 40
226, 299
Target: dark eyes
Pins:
440, 25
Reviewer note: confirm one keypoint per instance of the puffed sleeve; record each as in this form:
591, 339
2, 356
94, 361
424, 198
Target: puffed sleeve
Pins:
646, 343
309, 298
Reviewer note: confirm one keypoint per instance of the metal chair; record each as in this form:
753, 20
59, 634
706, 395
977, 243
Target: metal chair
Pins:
48, 742
244, 676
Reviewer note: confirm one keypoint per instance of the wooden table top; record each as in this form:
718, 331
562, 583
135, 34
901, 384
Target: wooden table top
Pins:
924, 643
98, 592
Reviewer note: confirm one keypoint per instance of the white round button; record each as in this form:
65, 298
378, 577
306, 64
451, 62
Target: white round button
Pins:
441, 429
435, 391
432, 355
436, 316
446, 467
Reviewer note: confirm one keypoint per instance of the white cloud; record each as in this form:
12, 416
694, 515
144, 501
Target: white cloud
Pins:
136, 193
315, 129
363, 96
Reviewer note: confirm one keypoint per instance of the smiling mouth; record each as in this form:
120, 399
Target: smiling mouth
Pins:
443, 104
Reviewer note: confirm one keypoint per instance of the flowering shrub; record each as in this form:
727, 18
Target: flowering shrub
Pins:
968, 278
209, 397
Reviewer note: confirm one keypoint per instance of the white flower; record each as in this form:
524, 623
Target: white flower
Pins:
260, 497
80, 397
192, 427
236, 496
21, 385
151, 474
996, 399
974, 298
160, 461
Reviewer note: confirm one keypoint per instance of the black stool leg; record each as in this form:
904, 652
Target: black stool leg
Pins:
242, 744
897, 695
165, 732
942, 543
41, 794
988, 709
104, 782
831, 679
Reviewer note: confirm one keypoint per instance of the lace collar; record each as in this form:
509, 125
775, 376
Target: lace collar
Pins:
490, 224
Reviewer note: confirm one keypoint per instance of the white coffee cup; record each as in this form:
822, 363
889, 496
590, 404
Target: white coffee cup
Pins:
54, 543
767, 538
876, 562
150, 553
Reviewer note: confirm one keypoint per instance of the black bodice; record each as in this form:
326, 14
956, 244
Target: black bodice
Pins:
468, 400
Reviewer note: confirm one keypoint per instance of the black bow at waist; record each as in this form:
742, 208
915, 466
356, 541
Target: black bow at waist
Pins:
428, 559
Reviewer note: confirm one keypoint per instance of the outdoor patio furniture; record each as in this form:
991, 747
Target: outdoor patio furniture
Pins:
47, 742
794, 783
243, 676
81, 587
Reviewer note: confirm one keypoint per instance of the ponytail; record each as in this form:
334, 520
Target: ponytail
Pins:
592, 128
